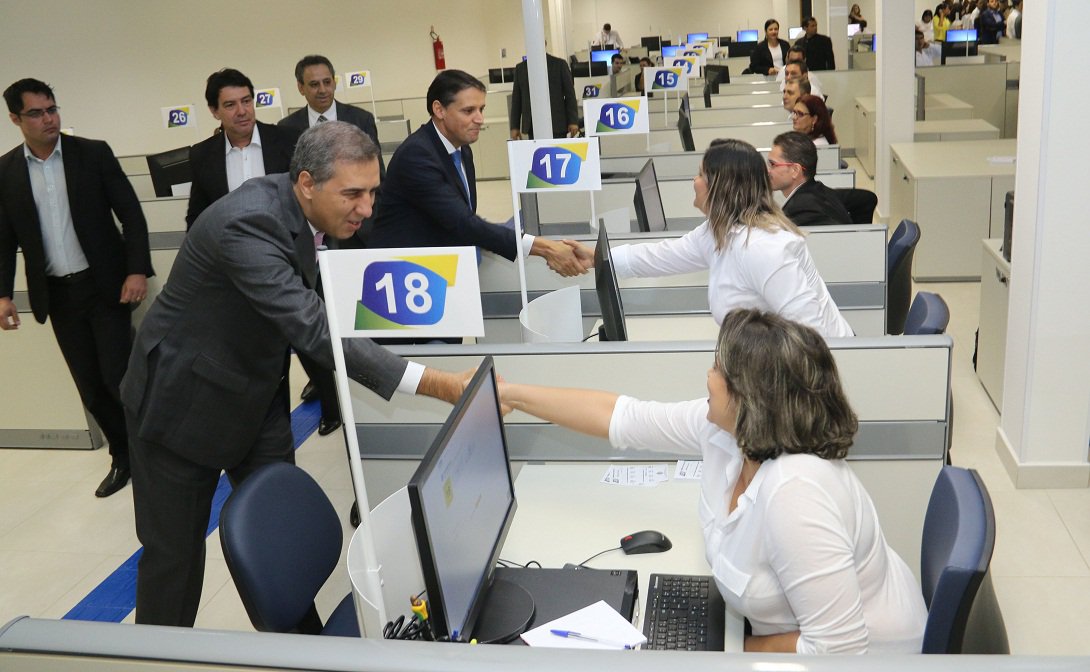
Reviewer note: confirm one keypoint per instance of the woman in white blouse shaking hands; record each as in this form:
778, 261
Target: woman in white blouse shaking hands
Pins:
754, 255
790, 534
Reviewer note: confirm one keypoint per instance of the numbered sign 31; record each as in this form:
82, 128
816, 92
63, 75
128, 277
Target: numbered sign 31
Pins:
555, 165
591, 91
266, 98
616, 115
414, 292
179, 116
665, 79
357, 80
691, 65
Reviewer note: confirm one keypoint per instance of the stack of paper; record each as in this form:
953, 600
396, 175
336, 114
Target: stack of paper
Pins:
599, 626
643, 474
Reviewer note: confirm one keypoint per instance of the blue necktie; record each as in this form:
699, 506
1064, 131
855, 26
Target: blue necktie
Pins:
457, 156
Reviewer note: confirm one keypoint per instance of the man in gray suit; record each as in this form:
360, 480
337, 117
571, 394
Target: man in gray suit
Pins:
206, 386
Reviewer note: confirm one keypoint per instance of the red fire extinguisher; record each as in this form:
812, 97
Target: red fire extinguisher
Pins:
437, 48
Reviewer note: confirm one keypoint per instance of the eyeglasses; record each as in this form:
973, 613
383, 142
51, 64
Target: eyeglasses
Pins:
795, 114
38, 113
777, 164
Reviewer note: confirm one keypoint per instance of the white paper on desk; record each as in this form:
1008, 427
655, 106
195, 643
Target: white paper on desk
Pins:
598, 620
689, 470
647, 475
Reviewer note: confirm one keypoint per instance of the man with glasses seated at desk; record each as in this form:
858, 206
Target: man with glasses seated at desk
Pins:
792, 164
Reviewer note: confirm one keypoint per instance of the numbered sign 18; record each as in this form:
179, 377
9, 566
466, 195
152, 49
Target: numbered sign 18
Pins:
403, 294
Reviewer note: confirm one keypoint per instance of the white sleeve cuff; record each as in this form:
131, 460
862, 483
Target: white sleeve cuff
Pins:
527, 245
411, 380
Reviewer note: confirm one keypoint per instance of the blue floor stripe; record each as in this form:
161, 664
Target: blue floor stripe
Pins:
113, 599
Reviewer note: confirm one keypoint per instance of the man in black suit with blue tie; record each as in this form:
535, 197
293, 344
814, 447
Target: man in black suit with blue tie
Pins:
429, 198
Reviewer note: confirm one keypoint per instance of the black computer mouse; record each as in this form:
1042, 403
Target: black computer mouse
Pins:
647, 541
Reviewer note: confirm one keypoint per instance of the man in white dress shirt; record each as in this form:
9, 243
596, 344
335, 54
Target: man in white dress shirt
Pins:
608, 36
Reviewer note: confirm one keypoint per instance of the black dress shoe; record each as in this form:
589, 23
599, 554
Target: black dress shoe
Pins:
354, 515
310, 391
326, 427
114, 481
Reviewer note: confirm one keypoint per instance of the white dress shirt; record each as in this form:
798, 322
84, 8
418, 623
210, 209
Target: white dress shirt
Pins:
612, 37
63, 253
330, 114
803, 549
761, 269
811, 76
243, 162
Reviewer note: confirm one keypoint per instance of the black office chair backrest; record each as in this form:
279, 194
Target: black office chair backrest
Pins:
899, 251
928, 314
958, 539
281, 539
860, 204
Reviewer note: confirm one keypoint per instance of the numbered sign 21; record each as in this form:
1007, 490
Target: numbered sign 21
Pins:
178, 116
665, 79
555, 165
616, 116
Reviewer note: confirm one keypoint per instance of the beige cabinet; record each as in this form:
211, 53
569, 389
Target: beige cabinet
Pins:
992, 339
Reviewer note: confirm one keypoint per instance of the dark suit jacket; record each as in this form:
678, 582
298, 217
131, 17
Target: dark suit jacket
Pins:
209, 164
814, 203
819, 52
562, 102
96, 186
209, 356
424, 203
760, 61
360, 118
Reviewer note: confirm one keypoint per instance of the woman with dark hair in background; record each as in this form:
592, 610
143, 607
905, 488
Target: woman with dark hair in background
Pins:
812, 117
770, 53
790, 534
856, 16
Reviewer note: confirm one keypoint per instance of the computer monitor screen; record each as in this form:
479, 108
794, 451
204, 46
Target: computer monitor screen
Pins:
670, 52
854, 28
168, 169
961, 35
651, 43
693, 38
714, 75
603, 55
650, 215
462, 501
501, 75
609, 295
795, 32
685, 125
747, 36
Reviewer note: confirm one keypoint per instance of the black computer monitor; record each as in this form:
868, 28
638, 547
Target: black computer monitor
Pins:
603, 55
685, 126
741, 49
669, 51
501, 75
747, 36
714, 75
650, 215
609, 294
169, 168
693, 38
960, 43
651, 43
462, 501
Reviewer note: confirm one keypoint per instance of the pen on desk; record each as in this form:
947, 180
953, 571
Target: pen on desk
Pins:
571, 634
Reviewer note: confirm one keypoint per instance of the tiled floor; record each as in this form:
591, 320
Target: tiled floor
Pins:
57, 541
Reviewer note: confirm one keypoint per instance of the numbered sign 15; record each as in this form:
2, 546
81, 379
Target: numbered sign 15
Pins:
666, 79
404, 293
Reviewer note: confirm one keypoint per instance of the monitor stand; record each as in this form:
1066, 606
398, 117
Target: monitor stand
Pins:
505, 614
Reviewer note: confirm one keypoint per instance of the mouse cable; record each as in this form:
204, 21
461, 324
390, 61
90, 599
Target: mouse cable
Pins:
511, 563
590, 336
615, 548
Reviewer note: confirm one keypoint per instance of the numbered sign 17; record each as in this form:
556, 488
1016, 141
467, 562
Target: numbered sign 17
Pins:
554, 167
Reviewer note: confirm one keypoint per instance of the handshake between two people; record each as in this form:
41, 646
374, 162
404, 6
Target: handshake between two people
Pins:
567, 258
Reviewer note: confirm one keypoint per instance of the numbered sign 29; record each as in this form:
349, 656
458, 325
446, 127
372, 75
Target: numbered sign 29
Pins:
555, 165
267, 98
179, 116
665, 79
616, 116
426, 291
358, 79
691, 65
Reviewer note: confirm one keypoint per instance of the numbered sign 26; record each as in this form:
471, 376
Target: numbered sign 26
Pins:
178, 116
665, 79
616, 116
555, 165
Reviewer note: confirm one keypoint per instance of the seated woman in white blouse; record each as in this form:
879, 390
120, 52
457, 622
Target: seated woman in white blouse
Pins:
754, 255
790, 533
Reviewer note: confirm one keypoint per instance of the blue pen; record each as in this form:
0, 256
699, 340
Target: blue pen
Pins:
571, 634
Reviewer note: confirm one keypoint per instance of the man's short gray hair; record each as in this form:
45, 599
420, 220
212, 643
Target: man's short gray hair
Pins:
321, 147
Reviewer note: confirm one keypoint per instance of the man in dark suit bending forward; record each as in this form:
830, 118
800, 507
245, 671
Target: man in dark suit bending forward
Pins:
206, 387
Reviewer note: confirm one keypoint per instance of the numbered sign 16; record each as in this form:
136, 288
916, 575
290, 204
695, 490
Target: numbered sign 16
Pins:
616, 116
666, 79
178, 116
555, 165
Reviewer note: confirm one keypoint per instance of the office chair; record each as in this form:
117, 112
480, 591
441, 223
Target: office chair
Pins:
958, 538
860, 204
282, 539
899, 251
928, 314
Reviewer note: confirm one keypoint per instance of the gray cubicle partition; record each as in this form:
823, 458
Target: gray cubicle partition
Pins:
687, 164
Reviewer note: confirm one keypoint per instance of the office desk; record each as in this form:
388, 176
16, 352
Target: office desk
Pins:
565, 514
991, 351
955, 193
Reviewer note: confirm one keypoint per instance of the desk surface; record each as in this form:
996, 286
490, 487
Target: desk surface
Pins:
566, 514
964, 158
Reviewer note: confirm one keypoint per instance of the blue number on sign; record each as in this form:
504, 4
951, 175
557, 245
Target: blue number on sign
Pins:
404, 293
357, 79
617, 116
666, 79
591, 91
691, 53
177, 118
682, 63
555, 165
264, 99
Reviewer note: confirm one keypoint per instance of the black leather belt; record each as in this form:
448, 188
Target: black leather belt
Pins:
71, 278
